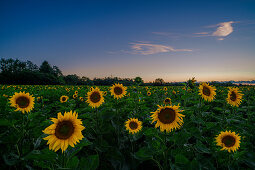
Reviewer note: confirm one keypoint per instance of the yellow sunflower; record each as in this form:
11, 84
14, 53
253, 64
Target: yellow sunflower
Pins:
24, 102
64, 99
228, 140
76, 92
95, 97
118, 90
133, 125
81, 99
168, 118
75, 96
148, 93
234, 96
65, 131
167, 101
165, 88
207, 92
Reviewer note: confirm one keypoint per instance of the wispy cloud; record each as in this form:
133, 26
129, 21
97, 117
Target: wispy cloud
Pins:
202, 33
147, 49
223, 29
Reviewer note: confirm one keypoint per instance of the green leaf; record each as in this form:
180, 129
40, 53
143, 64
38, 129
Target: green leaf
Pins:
143, 154
73, 163
5, 122
181, 159
91, 162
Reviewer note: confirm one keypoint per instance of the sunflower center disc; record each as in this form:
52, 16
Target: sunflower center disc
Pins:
166, 115
63, 99
206, 91
64, 130
133, 125
229, 141
95, 97
233, 96
118, 90
23, 102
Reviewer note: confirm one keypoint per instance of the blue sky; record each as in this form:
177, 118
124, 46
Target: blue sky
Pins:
173, 40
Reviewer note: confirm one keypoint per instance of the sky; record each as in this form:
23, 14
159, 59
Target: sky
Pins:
174, 40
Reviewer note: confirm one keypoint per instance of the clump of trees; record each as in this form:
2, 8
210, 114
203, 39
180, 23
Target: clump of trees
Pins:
14, 71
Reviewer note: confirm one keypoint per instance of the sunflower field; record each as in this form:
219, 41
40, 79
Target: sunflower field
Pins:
195, 126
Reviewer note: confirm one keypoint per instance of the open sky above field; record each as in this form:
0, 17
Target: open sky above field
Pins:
173, 40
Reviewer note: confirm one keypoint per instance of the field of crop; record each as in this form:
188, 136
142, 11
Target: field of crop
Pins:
184, 137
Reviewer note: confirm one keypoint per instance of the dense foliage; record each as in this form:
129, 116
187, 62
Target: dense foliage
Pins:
108, 145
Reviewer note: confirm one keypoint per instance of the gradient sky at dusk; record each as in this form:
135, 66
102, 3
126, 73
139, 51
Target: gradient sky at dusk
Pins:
174, 40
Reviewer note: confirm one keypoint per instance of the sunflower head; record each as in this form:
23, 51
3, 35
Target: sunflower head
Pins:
167, 118
22, 101
148, 93
63, 99
75, 96
165, 88
234, 96
167, 101
81, 99
65, 131
95, 97
207, 92
118, 90
228, 140
76, 92
133, 125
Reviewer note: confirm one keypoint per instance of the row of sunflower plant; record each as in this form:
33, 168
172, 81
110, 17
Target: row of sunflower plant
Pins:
116, 128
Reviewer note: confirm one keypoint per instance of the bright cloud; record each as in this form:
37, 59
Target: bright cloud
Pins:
147, 49
224, 29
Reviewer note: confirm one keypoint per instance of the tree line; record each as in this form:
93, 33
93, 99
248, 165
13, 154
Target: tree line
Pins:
14, 71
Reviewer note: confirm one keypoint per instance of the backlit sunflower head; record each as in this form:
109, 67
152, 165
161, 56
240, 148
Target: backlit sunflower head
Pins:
234, 96
76, 92
207, 92
64, 99
118, 90
228, 140
167, 118
95, 97
167, 101
22, 101
65, 131
133, 125
165, 88
81, 99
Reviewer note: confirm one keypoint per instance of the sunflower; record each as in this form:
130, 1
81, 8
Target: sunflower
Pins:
95, 97
65, 131
64, 99
165, 88
75, 96
148, 93
173, 92
133, 125
81, 99
207, 92
118, 90
228, 140
168, 118
24, 102
76, 92
167, 101
234, 96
